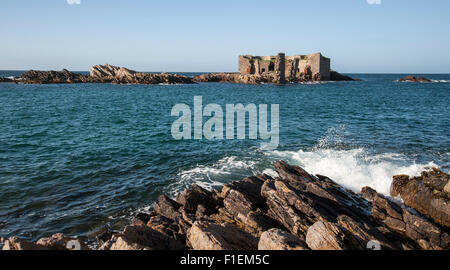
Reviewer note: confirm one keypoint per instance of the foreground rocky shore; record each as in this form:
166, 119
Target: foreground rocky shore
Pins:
294, 211
121, 75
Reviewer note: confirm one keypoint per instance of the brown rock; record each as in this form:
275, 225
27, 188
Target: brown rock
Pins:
325, 236
195, 196
411, 78
426, 194
209, 236
14, 243
368, 193
60, 241
142, 238
276, 239
168, 208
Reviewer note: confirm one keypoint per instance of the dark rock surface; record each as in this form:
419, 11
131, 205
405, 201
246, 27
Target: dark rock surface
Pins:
46, 77
99, 74
411, 78
293, 211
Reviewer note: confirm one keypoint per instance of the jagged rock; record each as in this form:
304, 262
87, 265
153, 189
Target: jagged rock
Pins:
368, 193
103, 74
60, 241
297, 199
363, 233
167, 227
405, 222
276, 239
121, 75
210, 236
140, 219
426, 194
195, 196
57, 241
142, 238
244, 201
14, 243
46, 77
107, 70
411, 78
168, 208
281, 210
326, 236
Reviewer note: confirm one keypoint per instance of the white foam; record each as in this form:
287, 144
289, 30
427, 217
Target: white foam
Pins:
209, 176
270, 172
440, 81
354, 169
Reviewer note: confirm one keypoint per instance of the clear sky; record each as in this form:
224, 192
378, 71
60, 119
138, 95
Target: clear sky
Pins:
404, 36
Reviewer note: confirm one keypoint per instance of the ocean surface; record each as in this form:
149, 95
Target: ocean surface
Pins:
78, 158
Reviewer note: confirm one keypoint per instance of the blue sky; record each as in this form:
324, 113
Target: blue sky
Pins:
177, 35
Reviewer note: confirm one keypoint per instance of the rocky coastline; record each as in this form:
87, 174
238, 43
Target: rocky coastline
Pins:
101, 74
293, 211
120, 75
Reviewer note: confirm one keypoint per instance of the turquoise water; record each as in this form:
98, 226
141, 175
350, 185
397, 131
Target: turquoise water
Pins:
76, 158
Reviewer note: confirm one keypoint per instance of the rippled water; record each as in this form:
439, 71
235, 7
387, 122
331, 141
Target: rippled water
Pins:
74, 158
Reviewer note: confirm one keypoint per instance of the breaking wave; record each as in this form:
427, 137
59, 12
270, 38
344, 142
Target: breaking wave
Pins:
214, 175
354, 169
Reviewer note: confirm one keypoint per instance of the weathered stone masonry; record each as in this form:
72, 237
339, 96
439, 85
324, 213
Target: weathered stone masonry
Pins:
290, 68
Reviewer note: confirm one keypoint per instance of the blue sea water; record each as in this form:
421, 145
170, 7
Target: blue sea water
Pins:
76, 158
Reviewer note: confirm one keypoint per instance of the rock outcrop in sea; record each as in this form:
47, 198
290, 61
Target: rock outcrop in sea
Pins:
264, 78
293, 211
120, 75
411, 78
102, 74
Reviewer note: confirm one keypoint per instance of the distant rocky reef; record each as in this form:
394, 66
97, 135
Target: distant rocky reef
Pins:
266, 78
100, 74
411, 78
120, 75
293, 211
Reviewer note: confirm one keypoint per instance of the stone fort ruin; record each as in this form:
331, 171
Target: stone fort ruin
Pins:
287, 68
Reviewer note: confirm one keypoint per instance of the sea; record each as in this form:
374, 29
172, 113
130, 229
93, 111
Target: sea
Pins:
83, 158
